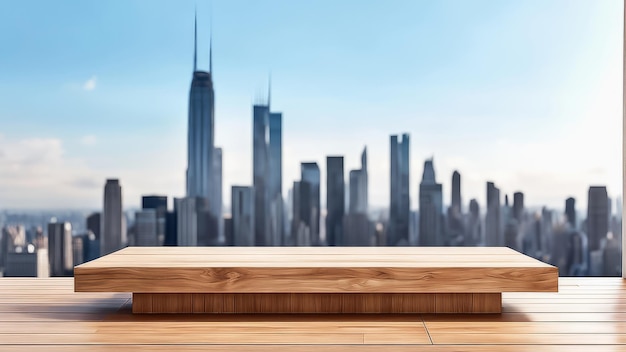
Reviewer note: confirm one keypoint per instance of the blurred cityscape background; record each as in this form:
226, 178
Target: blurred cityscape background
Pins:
441, 124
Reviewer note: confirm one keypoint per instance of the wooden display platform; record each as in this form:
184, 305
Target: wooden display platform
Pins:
316, 279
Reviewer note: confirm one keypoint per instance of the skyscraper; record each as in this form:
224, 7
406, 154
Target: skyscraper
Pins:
276, 178
518, 206
335, 200
430, 208
260, 170
216, 206
201, 145
267, 174
492, 219
60, 254
300, 232
94, 224
455, 201
399, 207
159, 205
570, 211
147, 228
242, 203
113, 229
358, 230
310, 200
473, 231
597, 216
187, 220
456, 235
358, 187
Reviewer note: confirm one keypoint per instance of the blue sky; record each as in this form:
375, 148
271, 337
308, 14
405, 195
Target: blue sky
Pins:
523, 93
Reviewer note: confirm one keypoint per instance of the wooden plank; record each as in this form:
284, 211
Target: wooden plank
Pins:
259, 327
320, 348
319, 280
315, 250
529, 316
535, 327
396, 339
530, 339
316, 303
176, 338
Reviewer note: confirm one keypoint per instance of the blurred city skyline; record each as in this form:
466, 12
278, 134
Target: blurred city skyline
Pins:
524, 94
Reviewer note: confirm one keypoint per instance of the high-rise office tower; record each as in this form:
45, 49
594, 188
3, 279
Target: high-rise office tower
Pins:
276, 178
358, 230
187, 220
354, 177
430, 208
216, 206
577, 254
60, 253
242, 204
335, 200
399, 207
113, 235
171, 225
597, 216
159, 205
518, 206
94, 224
455, 201
147, 228
474, 228
358, 193
310, 200
493, 235
260, 170
299, 230
267, 174
201, 181
456, 234
228, 230
570, 211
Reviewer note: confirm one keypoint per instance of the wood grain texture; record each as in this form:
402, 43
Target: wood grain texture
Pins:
158, 303
316, 270
72, 321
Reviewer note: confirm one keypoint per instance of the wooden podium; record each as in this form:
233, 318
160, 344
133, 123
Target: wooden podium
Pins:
316, 279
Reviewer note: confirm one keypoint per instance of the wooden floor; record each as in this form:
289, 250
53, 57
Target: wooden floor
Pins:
45, 314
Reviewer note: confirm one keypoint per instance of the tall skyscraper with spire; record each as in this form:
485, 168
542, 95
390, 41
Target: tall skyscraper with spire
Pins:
267, 173
201, 182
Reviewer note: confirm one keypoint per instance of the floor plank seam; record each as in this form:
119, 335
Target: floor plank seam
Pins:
427, 332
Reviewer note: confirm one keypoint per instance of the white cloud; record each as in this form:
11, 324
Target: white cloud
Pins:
90, 84
37, 173
88, 140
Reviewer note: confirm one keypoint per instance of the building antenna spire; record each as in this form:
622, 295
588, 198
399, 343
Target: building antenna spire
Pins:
211, 42
269, 89
195, 39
